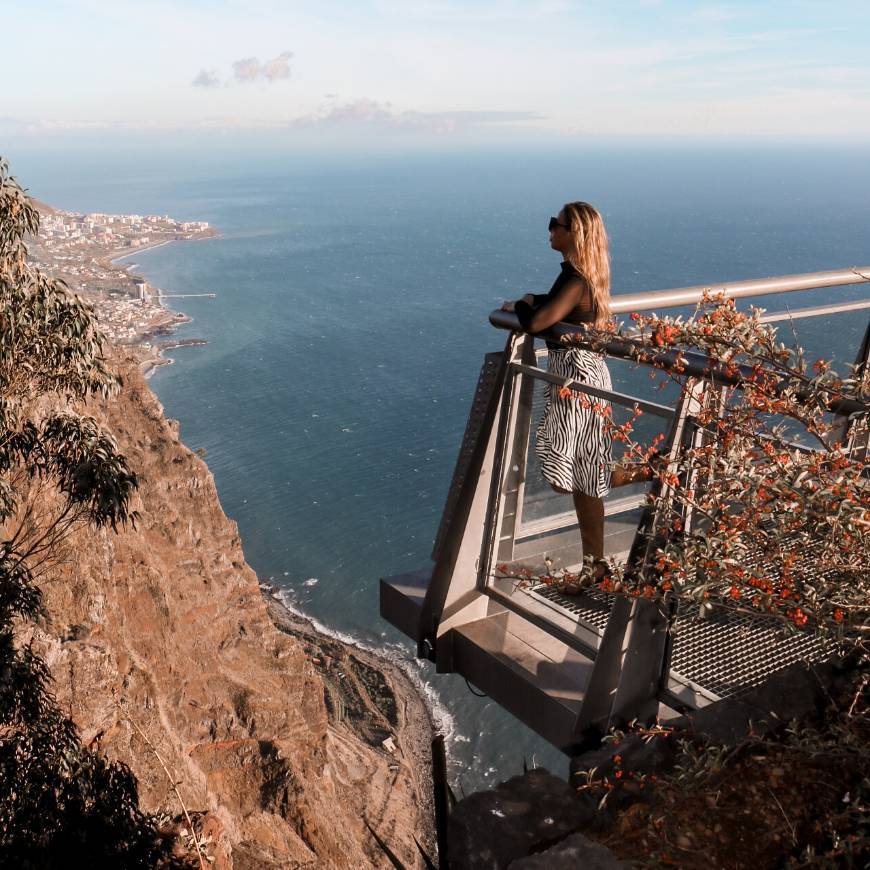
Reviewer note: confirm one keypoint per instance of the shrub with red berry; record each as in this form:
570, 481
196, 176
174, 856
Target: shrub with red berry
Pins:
770, 508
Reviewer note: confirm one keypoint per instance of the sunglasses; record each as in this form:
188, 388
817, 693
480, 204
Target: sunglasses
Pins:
554, 222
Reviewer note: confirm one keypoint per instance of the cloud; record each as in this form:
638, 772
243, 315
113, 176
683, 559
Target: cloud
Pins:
206, 78
361, 116
249, 69
356, 111
791, 115
278, 67
372, 115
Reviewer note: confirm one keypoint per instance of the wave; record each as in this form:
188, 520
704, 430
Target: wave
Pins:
396, 654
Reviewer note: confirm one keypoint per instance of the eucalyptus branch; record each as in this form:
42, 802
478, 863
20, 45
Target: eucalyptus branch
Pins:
39, 544
170, 777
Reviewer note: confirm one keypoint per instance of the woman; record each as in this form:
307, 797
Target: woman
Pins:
573, 441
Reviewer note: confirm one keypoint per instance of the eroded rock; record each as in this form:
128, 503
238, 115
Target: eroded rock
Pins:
528, 814
162, 629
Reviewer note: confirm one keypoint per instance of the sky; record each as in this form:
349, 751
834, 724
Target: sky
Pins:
435, 71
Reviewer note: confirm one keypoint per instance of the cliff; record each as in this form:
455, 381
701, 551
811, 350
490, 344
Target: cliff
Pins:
164, 625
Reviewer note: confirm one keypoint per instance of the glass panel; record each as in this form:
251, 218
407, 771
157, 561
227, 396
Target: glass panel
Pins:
539, 498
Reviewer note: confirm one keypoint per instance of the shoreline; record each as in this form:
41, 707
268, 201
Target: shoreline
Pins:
142, 248
154, 357
378, 688
94, 255
372, 722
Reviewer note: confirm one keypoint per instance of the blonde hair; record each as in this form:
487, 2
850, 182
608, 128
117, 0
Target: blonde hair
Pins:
590, 255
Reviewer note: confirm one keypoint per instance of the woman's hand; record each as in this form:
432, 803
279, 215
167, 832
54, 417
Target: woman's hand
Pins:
507, 306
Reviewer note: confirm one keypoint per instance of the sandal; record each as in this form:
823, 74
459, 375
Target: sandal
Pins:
601, 570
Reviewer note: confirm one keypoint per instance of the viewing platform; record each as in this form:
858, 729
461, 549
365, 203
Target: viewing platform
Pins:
568, 665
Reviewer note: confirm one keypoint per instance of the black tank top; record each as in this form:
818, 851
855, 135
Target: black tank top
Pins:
570, 283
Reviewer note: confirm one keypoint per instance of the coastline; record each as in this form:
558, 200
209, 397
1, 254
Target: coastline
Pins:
369, 699
369, 686
88, 253
275, 743
154, 354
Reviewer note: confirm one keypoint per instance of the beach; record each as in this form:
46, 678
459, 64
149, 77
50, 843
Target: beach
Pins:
141, 249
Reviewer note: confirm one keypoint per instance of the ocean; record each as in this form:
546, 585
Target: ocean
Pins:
350, 322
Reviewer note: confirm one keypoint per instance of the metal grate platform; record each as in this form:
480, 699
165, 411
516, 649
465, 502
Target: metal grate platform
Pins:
727, 652
592, 606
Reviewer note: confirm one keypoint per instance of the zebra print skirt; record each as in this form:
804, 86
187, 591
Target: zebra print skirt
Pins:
573, 443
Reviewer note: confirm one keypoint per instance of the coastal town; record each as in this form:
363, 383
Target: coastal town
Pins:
87, 251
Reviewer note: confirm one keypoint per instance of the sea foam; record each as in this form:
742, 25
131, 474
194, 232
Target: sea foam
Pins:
396, 654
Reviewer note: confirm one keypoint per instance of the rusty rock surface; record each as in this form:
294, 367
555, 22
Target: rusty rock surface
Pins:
162, 628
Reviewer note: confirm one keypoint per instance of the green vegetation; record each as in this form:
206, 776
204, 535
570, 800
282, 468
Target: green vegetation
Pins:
60, 803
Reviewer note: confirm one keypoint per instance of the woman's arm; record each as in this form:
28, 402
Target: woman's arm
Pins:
528, 299
557, 308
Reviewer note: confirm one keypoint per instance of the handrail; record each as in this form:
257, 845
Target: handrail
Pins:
686, 362
623, 399
678, 296
814, 311
693, 363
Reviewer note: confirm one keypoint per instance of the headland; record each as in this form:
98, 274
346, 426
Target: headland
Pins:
87, 252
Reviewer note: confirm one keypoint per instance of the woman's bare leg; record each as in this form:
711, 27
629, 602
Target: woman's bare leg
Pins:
590, 515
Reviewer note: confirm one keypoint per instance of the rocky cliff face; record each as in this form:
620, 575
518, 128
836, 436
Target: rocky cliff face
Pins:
165, 626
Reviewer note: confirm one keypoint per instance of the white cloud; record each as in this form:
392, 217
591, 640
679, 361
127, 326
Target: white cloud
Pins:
206, 79
249, 69
278, 67
373, 115
364, 116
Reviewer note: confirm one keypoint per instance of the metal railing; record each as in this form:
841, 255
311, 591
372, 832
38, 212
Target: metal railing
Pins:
589, 659
709, 378
678, 297
696, 365
691, 364
614, 506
